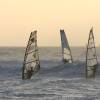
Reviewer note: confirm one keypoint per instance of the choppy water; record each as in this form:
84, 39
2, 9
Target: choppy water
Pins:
55, 80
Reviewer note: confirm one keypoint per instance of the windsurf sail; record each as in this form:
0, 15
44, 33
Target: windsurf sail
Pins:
91, 58
31, 64
66, 51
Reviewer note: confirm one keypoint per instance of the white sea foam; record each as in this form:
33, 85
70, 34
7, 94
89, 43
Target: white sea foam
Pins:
55, 80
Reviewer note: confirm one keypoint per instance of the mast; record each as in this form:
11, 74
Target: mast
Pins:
66, 51
31, 64
91, 57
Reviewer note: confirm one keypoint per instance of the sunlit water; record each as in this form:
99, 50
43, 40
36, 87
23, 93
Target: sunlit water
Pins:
55, 80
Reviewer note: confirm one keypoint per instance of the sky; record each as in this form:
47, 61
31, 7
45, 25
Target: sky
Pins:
19, 17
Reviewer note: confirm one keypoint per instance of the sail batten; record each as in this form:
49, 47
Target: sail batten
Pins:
31, 64
91, 58
66, 52
31, 52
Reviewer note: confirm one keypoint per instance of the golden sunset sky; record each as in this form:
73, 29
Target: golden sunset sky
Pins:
19, 17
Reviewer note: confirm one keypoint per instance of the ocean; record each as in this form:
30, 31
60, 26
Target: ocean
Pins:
54, 81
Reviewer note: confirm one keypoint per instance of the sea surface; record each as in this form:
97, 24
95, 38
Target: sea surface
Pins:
55, 80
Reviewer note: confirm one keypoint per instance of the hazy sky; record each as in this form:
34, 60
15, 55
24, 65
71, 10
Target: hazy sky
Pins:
19, 17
